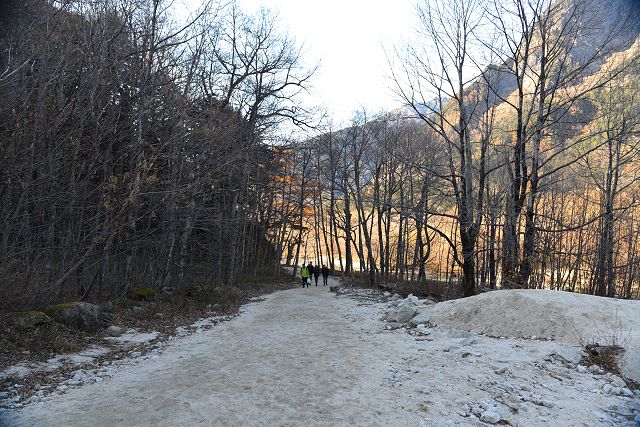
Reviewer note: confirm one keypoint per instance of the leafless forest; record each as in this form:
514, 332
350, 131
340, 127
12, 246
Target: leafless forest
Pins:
134, 145
139, 149
514, 165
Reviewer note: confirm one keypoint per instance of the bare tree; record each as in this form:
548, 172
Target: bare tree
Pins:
438, 93
546, 72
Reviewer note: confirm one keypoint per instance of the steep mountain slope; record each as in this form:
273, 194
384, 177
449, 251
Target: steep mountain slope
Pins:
586, 37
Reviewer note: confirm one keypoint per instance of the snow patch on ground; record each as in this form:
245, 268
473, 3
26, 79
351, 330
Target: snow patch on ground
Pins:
92, 365
23, 370
309, 357
135, 337
569, 318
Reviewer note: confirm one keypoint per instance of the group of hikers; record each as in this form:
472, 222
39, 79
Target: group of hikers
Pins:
309, 271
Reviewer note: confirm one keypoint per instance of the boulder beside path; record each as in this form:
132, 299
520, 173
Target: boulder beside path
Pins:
81, 315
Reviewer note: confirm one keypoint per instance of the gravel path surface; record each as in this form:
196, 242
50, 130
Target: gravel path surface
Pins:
307, 357
296, 358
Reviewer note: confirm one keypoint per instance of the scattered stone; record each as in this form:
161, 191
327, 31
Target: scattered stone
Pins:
464, 410
81, 315
413, 299
476, 410
595, 369
421, 319
114, 330
501, 371
490, 417
568, 354
423, 330
615, 381
78, 375
624, 391
401, 314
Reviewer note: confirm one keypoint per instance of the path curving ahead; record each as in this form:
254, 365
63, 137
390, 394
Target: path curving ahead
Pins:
296, 358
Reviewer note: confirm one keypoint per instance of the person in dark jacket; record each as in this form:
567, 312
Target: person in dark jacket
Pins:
325, 275
316, 273
311, 271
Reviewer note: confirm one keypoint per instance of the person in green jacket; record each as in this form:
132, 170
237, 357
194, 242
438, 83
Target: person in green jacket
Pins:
304, 273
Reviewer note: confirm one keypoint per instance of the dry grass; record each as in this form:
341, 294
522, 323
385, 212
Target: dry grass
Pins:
163, 313
436, 290
19, 343
607, 344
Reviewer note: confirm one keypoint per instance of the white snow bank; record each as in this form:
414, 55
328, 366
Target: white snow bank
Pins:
134, 337
563, 316
24, 369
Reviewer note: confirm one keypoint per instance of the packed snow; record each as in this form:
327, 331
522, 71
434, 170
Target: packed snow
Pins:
311, 357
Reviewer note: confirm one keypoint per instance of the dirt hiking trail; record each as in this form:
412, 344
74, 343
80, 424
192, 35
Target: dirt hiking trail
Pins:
292, 359
309, 357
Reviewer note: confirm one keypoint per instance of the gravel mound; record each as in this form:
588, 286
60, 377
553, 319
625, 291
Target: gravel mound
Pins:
541, 314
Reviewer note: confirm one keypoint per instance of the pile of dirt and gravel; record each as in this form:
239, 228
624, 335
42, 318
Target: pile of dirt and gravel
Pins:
574, 319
